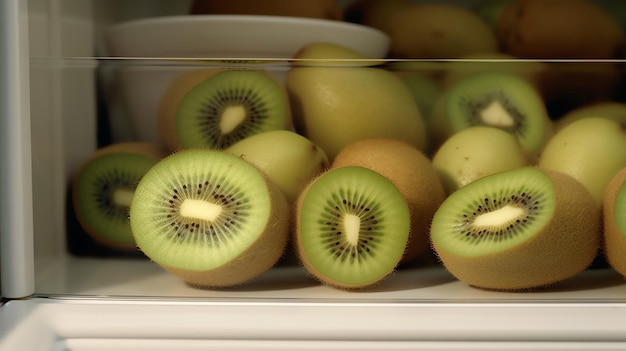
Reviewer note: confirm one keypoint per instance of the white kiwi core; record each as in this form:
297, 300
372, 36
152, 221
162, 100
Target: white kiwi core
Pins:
232, 117
122, 197
200, 209
500, 217
352, 225
496, 115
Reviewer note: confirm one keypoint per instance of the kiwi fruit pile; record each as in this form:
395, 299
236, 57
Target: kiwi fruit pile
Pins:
356, 170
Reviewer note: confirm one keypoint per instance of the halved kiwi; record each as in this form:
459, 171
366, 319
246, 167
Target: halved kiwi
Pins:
210, 218
501, 100
228, 106
411, 172
614, 217
103, 189
352, 227
518, 229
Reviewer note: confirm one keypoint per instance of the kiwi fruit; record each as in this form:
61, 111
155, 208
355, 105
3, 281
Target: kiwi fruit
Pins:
334, 106
520, 229
614, 217
501, 100
288, 159
607, 109
228, 106
103, 188
411, 172
425, 90
438, 31
468, 65
558, 29
210, 218
373, 13
475, 152
170, 100
352, 227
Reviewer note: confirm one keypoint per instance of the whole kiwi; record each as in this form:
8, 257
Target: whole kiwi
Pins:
614, 217
558, 29
210, 218
437, 30
517, 230
411, 172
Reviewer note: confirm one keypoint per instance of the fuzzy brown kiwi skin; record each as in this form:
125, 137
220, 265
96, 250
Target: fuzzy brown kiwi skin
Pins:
576, 234
257, 259
140, 148
614, 241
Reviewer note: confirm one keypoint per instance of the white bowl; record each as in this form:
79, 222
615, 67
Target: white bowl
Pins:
135, 87
237, 36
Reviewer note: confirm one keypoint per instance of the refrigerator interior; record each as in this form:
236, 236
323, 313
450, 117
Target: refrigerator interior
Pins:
64, 70
70, 74
62, 86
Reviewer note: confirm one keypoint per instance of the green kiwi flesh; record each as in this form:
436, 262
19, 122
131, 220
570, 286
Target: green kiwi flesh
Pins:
102, 193
210, 218
352, 227
518, 229
229, 106
500, 100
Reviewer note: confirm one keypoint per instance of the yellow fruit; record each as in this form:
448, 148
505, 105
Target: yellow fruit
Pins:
411, 172
475, 152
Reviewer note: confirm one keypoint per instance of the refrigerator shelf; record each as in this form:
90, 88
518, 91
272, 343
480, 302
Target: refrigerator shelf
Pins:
427, 283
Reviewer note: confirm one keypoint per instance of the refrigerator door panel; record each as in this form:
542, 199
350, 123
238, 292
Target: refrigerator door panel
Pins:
74, 324
16, 217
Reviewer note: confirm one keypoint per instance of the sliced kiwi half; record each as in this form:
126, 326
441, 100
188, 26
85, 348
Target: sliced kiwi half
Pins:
103, 189
210, 218
228, 106
516, 230
614, 218
352, 227
501, 100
